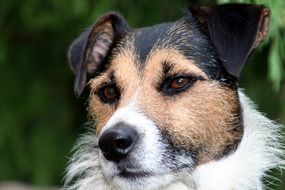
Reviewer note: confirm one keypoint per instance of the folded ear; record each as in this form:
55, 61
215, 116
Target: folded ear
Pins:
87, 53
234, 29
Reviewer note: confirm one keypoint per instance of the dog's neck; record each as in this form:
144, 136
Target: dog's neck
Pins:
244, 169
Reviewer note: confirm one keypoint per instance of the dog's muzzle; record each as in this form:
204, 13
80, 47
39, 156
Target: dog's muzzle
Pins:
116, 142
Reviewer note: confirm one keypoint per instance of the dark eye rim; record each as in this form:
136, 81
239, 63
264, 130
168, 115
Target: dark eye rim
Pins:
165, 86
106, 100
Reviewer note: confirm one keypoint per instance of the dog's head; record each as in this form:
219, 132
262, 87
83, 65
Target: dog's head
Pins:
164, 98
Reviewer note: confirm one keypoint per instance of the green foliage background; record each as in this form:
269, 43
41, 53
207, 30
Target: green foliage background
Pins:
39, 116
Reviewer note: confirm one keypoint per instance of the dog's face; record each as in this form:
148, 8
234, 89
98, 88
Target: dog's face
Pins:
164, 98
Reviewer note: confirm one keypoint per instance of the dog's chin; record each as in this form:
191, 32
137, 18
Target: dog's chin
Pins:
117, 172
124, 177
142, 180
134, 175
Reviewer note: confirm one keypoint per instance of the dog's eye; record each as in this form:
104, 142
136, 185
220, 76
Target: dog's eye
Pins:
179, 82
109, 94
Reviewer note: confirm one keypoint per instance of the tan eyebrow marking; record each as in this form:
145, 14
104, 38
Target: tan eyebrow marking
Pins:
180, 62
95, 83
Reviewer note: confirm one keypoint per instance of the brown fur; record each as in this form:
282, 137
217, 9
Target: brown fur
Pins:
126, 76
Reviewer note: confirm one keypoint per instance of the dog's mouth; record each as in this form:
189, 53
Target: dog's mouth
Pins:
128, 174
133, 174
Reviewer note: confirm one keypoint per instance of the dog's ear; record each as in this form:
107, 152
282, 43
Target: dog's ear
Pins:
87, 53
234, 29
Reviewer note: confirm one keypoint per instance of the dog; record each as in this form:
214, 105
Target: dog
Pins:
165, 105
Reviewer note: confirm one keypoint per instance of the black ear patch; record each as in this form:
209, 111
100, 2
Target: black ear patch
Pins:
87, 53
234, 29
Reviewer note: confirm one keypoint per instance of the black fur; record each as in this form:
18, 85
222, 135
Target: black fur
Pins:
146, 38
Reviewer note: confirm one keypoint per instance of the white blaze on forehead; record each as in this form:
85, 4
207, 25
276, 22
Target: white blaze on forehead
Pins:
131, 115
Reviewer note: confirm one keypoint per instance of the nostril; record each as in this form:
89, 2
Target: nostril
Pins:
103, 147
123, 143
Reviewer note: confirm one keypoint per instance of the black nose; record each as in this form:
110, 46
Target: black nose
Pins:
117, 142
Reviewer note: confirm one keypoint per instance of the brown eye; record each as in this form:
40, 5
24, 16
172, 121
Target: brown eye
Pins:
179, 82
109, 94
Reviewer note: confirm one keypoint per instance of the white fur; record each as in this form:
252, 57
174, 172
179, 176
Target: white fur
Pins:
259, 151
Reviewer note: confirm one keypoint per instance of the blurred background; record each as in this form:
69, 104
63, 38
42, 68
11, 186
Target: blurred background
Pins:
40, 118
